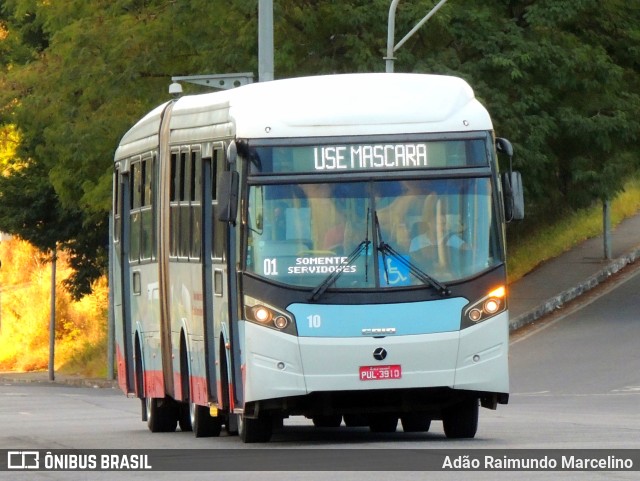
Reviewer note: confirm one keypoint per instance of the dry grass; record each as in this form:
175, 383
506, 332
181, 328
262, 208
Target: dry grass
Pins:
25, 279
552, 240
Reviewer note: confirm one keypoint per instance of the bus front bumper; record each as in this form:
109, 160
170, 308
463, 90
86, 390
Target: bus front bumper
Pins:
278, 365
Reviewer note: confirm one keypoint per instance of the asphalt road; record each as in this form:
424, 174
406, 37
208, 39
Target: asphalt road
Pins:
575, 383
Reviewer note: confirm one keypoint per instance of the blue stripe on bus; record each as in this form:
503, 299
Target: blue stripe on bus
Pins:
425, 317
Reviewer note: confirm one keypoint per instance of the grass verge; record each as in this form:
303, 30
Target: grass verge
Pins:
552, 240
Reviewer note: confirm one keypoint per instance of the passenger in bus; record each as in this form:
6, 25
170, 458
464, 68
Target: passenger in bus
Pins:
422, 235
420, 238
334, 236
354, 234
450, 229
335, 231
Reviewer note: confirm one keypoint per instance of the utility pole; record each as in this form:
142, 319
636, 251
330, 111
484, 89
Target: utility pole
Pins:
233, 80
606, 227
0, 305
52, 315
265, 40
391, 49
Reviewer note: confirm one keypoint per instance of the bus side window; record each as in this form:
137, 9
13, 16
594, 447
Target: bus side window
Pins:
117, 206
146, 212
174, 221
218, 228
185, 214
196, 207
136, 185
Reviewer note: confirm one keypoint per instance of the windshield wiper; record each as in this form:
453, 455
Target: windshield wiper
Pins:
331, 278
324, 285
385, 249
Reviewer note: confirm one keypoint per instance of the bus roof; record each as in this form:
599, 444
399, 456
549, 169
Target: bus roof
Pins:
321, 106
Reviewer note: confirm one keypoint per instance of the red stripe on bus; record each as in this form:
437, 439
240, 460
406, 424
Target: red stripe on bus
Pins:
122, 370
153, 384
199, 390
177, 387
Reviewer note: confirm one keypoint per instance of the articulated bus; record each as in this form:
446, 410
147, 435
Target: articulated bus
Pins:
330, 247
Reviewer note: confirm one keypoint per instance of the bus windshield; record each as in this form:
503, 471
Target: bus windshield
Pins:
298, 234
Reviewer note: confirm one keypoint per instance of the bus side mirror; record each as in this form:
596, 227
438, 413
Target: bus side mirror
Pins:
503, 146
228, 196
513, 196
232, 152
511, 185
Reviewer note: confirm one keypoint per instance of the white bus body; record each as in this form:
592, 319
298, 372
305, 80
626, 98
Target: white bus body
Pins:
247, 320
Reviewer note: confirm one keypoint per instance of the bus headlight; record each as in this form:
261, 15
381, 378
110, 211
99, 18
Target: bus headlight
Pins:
490, 305
266, 315
261, 314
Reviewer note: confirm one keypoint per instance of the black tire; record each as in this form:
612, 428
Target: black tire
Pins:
232, 420
383, 423
355, 420
415, 423
184, 418
203, 425
184, 415
258, 430
327, 421
162, 415
461, 421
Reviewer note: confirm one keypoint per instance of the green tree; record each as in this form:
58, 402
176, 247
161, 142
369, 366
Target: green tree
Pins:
560, 78
29, 207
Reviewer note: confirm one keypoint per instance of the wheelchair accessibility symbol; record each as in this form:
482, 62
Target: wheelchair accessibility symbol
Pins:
393, 272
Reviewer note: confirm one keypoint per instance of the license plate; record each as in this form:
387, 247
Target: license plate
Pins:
380, 373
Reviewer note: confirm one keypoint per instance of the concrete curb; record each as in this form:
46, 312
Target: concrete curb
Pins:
61, 380
559, 300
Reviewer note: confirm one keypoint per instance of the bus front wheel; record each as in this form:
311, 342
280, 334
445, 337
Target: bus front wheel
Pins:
415, 423
461, 421
256, 430
327, 421
383, 423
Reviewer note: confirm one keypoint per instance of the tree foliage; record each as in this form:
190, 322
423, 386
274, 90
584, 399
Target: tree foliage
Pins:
560, 78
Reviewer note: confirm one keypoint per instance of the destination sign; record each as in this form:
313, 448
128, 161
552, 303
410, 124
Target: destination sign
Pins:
352, 157
357, 157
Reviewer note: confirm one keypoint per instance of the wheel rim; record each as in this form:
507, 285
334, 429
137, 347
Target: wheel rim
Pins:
192, 413
241, 424
148, 407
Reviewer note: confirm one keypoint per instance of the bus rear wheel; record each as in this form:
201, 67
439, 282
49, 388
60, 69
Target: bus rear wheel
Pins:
202, 423
162, 415
461, 421
184, 418
258, 430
